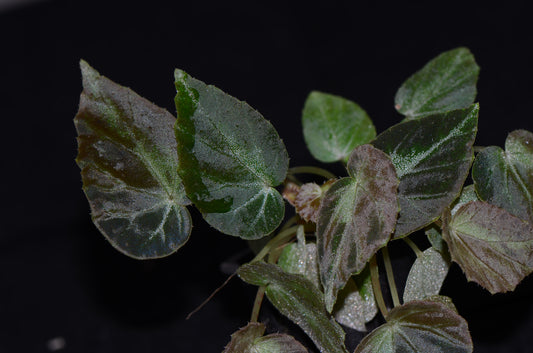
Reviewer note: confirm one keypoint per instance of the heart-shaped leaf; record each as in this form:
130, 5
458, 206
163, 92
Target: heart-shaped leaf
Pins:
505, 178
420, 327
356, 304
231, 159
426, 276
334, 126
356, 218
250, 339
447, 82
493, 247
298, 299
432, 157
127, 155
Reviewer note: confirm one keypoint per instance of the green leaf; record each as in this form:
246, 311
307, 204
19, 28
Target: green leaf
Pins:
448, 82
128, 161
334, 126
231, 159
356, 304
434, 236
356, 218
250, 339
505, 178
420, 327
432, 157
493, 247
298, 299
426, 276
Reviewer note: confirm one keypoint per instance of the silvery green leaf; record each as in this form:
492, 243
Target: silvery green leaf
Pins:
468, 194
426, 276
447, 82
230, 160
301, 258
127, 155
356, 304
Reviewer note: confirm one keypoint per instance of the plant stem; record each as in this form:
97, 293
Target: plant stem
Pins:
257, 303
210, 297
390, 277
413, 246
374, 274
276, 241
312, 170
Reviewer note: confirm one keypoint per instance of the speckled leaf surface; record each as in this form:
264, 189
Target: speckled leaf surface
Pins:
447, 82
297, 298
230, 160
334, 126
356, 218
250, 339
505, 178
127, 155
301, 258
467, 195
493, 247
356, 304
432, 157
426, 276
420, 327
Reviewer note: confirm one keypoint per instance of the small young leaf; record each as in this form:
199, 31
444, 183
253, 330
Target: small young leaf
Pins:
356, 218
448, 82
420, 327
505, 178
356, 304
250, 339
298, 299
426, 276
432, 157
301, 258
231, 159
128, 161
493, 247
434, 236
334, 126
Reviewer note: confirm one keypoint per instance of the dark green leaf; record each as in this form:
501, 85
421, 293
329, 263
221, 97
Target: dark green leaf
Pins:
434, 236
426, 276
298, 299
420, 327
231, 159
505, 178
432, 157
250, 339
493, 247
334, 126
447, 82
128, 161
356, 218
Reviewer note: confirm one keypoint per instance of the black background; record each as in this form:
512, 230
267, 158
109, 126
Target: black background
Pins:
60, 278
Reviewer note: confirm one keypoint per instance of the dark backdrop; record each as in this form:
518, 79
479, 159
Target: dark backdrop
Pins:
60, 279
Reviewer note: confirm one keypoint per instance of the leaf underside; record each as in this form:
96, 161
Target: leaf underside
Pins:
356, 218
420, 327
128, 161
334, 126
250, 339
505, 178
297, 298
231, 159
493, 247
432, 157
447, 82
